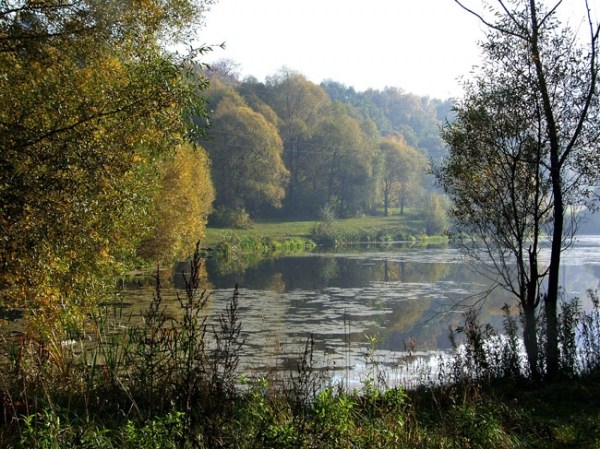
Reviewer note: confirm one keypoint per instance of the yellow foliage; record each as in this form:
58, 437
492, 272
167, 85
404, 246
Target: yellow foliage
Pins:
85, 116
182, 207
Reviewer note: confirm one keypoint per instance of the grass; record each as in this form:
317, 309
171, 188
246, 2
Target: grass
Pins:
173, 382
509, 413
272, 229
371, 227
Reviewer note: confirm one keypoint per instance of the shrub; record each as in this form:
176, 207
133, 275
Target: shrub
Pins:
223, 217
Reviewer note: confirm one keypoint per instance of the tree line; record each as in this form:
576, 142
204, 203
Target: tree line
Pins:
288, 147
115, 148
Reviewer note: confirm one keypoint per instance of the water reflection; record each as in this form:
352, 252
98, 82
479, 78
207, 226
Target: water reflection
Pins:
406, 296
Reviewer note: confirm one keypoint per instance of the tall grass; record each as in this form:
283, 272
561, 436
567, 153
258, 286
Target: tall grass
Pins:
482, 353
171, 379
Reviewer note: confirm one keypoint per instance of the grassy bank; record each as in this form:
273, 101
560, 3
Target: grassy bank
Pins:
279, 235
194, 399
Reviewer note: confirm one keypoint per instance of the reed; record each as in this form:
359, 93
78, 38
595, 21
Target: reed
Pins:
173, 380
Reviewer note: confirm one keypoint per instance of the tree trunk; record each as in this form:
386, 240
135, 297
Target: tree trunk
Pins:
551, 300
386, 201
530, 341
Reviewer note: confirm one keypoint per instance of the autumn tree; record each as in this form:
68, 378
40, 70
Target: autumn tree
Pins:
90, 101
300, 105
402, 169
246, 154
524, 151
339, 172
182, 204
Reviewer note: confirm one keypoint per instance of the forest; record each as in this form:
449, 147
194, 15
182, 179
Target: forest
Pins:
121, 152
289, 148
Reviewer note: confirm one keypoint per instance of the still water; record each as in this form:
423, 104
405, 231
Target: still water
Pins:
404, 297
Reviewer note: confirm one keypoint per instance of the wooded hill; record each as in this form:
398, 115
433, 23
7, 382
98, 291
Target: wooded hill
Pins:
288, 147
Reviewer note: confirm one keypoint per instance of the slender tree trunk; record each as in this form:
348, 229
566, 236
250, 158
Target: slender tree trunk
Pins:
530, 306
551, 301
551, 298
530, 341
386, 200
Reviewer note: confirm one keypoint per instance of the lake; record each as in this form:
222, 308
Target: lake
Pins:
392, 305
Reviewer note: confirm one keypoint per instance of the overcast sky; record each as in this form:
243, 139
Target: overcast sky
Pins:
421, 46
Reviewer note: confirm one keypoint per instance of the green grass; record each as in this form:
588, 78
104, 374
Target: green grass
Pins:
270, 229
509, 414
408, 224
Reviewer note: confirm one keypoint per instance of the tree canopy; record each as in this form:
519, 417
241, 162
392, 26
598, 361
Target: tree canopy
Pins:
246, 153
524, 152
330, 135
91, 102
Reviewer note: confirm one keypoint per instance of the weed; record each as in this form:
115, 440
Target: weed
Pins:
172, 380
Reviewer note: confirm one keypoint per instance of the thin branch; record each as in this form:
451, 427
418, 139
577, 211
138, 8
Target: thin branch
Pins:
490, 24
550, 13
514, 20
594, 33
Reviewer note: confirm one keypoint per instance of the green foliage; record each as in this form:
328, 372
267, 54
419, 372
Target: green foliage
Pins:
434, 215
325, 232
161, 432
223, 217
178, 387
402, 172
394, 111
335, 414
477, 427
340, 168
47, 431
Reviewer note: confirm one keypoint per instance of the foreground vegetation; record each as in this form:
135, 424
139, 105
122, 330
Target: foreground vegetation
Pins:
167, 379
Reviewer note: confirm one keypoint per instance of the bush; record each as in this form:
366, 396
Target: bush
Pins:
224, 217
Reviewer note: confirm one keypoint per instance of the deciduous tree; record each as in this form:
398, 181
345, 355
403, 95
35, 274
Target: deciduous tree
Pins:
182, 205
300, 105
89, 102
246, 155
340, 169
403, 168
524, 152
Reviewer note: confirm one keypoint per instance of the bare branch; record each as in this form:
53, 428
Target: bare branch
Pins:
593, 67
488, 23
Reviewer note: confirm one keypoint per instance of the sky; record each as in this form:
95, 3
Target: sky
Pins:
421, 46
